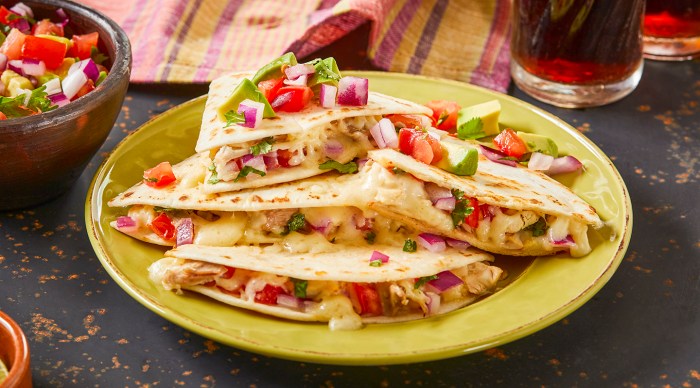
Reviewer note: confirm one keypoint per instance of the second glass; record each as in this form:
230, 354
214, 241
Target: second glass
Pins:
577, 53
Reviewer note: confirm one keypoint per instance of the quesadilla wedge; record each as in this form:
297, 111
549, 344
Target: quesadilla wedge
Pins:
291, 145
341, 287
500, 209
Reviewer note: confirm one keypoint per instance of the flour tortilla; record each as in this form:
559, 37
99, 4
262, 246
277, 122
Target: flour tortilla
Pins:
214, 134
347, 264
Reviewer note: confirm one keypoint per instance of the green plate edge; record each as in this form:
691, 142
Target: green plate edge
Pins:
549, 289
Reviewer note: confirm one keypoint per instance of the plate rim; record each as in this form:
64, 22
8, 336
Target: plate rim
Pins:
463, 348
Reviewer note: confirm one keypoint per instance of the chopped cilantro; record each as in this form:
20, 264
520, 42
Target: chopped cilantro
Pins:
13, 16
462, 208
398, 171
347, 168
263, 147
247, 170
23, 105
214, 178
300, 288
375, 263
472, 129
233, 118
97, 56
409, 245
160, 209
101, 77
370, 237
421, 281
538, 228
296, 222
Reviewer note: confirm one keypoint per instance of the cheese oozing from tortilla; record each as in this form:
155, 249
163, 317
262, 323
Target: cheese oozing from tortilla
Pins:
335, 302
340, 140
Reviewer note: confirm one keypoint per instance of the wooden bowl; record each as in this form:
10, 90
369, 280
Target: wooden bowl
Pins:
42, 155
14, 352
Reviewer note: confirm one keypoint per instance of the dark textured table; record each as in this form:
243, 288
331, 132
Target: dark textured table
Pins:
642, 329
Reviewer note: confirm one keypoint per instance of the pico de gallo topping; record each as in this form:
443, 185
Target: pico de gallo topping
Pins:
284, 85
41, 66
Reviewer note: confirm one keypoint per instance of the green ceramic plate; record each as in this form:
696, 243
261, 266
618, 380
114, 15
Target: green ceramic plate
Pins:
539, 293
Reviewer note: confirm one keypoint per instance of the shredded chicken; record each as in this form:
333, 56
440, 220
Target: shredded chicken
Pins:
276, 220
192, 273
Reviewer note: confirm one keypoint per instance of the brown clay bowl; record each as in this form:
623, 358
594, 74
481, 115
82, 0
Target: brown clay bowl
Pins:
14, 352
42, 155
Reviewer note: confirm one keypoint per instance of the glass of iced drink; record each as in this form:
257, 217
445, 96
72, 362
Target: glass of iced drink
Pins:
672, 29
577, 53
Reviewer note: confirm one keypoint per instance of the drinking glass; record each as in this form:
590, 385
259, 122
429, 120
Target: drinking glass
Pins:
672, 29
577, 53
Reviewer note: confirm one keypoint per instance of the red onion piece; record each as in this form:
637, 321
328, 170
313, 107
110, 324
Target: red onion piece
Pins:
445, 280
185, 232
281, 100
16, 65
361, 163
33, 67
362, 223
53, 86
126, 224
22, 25
327, 95
433, 303
252, 112
540, 162
72, 83
289, 301
568, 241
436, 192
322, 226
384, 134
497, 156
376, 255
3, 61
333, 148
22, 9
271, 161
59, 99
88, 67
447, 204
563, 165
431, 242
61, 14
457, 244
257, 162
353, 91
296, 71
299, 81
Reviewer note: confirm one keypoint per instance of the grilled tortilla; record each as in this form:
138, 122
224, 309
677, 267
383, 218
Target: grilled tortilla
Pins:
296, 143
339, 287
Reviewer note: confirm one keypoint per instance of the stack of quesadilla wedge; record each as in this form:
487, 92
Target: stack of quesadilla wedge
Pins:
384, 241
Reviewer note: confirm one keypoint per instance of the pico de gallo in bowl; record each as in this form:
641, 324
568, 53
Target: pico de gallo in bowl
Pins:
51, 132
45, 63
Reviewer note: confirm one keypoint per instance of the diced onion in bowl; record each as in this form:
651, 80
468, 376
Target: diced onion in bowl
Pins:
53, 86
33, 67
72, 83
88, 67
59, 99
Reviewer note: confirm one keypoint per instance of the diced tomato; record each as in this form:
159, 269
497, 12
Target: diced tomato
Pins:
163, 227
365, 299
283, 157
410, 121
46, 27
12, 46
229, 272
422, 150
268, 295
510, 143
83, 44
270, 88
159, 176
2, 116
300, 96
473, 218
87, 88
4, 13
420, 145
43, 49
444, 114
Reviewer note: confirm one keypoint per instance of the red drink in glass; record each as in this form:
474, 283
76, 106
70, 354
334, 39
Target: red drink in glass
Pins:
577, 53
672, 29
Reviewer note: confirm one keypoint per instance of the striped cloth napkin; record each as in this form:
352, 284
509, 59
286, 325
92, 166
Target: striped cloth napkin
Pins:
186, 41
